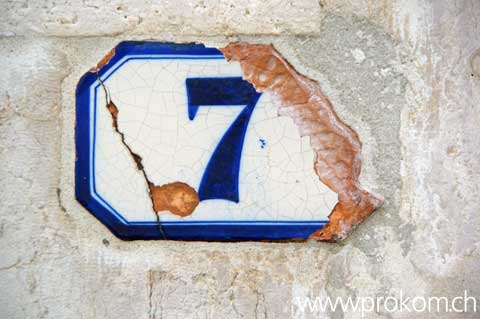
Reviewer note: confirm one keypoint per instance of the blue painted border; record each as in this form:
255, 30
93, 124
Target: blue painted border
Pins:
192, 230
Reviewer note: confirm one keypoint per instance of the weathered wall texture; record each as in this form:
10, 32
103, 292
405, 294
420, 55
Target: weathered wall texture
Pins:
404, 74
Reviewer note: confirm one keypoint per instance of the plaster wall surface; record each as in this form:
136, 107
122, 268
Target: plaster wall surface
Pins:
404, 74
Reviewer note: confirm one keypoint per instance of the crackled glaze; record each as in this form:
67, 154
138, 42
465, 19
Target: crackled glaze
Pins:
208, 146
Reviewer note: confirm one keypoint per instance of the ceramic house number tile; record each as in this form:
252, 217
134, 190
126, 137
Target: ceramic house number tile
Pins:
181, 141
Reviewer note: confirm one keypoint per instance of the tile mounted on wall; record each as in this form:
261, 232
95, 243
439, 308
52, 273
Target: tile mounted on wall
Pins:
181, 141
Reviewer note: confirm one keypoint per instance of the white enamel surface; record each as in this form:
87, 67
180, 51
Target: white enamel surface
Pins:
276, 183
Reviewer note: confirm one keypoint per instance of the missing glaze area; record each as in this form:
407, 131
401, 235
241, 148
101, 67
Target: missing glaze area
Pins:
336, 146
178, 198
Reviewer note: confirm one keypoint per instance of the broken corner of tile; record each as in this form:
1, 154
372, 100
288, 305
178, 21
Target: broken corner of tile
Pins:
185, 142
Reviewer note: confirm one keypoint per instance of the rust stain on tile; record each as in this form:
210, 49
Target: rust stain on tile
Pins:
178, 198
103, 61
337, 147
112, 108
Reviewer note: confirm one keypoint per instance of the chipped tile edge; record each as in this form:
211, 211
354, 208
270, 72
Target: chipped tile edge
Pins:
337, 146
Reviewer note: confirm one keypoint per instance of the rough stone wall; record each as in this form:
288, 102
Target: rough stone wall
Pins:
404, 74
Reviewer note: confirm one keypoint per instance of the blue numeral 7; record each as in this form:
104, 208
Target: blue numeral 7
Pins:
220, 179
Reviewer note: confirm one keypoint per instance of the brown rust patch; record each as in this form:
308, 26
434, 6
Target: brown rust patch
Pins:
178, 198
337, 147
103, 61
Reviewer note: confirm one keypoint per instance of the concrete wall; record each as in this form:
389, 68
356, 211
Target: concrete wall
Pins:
404, 74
